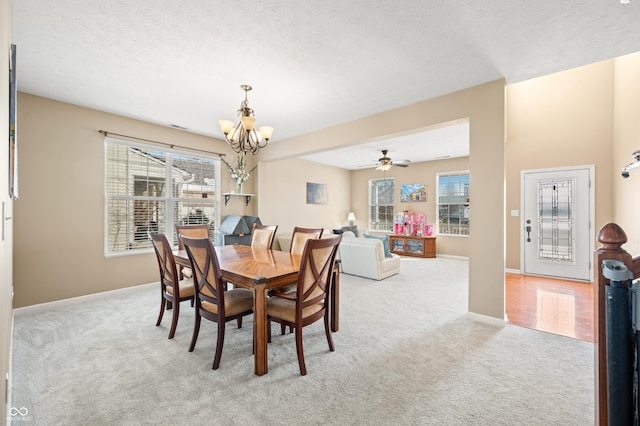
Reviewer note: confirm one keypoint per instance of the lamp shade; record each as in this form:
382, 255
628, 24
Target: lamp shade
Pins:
226, 126
351, 216
266, 132
248, 123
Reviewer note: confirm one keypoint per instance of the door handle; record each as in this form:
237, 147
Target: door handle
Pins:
528, 229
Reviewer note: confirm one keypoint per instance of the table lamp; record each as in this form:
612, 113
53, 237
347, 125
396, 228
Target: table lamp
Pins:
351, 218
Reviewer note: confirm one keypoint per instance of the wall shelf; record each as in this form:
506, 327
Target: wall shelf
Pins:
227, 197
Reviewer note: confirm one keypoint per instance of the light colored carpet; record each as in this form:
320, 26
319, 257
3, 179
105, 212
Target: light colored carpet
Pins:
406, 354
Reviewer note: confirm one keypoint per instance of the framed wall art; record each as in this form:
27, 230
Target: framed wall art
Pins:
316, 193
413, 192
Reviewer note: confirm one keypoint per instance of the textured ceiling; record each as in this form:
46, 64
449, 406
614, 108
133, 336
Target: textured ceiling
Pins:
312, 64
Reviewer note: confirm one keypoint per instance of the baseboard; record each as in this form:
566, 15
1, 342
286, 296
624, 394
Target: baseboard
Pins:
76, 300
451, 256
486, 319
513, 271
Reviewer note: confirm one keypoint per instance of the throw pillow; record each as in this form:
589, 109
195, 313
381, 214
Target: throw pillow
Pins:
385, 243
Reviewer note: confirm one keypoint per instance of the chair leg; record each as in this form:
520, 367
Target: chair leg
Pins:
283, 328
193, 300
174, 320
268, 332
196, 330
219, 344
303, 368
239, 322
162, 303
327, 331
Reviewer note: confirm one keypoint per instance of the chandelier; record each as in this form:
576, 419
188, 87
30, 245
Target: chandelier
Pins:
243, 137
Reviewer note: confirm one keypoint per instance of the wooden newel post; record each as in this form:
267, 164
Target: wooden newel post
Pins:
612, 237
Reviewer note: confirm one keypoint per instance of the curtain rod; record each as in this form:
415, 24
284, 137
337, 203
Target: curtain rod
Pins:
170, 145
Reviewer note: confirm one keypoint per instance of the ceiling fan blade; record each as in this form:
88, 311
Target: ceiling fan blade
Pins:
400, 165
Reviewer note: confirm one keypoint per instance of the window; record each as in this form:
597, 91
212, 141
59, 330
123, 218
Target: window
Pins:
381, 204
453, 203
150, 190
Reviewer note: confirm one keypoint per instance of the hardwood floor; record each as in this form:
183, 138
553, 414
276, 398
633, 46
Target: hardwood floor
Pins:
553, 305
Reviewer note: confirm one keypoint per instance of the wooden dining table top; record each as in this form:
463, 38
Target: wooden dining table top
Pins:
248, 265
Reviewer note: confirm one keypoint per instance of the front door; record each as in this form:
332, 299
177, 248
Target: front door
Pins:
557, 207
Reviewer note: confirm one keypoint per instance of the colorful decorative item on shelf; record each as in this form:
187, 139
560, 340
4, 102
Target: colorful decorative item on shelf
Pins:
411, 223
429, 230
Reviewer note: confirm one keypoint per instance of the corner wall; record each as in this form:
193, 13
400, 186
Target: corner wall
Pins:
626, 192
484, 107
59, 219
6, 244
560, 120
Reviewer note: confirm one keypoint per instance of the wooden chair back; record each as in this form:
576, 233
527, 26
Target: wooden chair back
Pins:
300, 237
207, 276
315, 275
166, 262
192, 231
262, 236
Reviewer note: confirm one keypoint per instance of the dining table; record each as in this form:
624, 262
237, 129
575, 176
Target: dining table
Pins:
261, 270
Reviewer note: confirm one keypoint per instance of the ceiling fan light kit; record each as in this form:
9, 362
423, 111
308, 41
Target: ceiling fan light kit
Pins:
385, 163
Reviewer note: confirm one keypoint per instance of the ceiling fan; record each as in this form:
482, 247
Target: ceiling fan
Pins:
385, 163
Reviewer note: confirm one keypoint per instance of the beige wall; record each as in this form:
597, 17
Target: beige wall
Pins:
415, 173
6, 270
626, 142
484, 107
283, 189
567, 119
59, 226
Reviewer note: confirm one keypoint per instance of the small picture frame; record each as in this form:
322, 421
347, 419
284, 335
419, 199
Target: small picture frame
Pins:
412, 193
317, 193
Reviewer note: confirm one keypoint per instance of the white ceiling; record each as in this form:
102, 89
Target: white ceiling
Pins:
311, 64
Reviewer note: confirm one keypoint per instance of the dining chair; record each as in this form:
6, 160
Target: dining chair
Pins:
298, 240
311, 300
193, 231
212, 301
300, 237
262, 236
173, 289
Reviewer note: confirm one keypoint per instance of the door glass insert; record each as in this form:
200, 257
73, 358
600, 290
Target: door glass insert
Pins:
556, 220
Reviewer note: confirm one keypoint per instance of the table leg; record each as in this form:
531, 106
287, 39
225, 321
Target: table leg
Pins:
260, 330
335, 300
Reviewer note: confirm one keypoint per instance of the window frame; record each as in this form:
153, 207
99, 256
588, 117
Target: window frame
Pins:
371, 205
169, 199
464, 206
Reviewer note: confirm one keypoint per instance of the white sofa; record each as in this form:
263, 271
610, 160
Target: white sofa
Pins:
284, 239
365, 257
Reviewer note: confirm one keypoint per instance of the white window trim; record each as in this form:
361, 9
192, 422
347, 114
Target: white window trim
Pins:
437, 211
369, 204
169, 218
